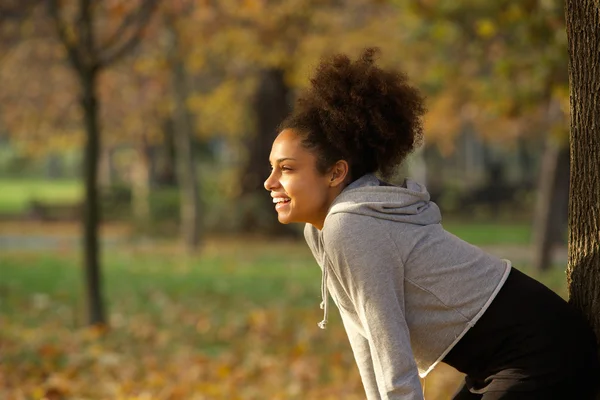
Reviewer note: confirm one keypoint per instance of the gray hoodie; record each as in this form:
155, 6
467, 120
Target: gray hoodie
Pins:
407, 290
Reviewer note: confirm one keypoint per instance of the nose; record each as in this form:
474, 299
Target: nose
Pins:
271, 182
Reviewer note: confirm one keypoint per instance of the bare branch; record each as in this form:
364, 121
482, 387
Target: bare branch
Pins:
128, 21
86, 32
145, 12
61, 29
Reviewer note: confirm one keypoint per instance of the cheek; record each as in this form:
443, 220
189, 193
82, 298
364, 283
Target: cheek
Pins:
310, 197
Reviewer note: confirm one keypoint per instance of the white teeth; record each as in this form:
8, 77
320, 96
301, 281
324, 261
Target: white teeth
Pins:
280, 199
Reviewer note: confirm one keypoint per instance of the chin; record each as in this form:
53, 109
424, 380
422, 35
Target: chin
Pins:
288, 219
283, 220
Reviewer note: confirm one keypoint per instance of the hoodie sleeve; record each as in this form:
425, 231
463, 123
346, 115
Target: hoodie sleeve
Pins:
362, 355
369, 268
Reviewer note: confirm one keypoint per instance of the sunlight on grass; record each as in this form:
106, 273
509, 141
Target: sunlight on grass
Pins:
15, 195
491, 233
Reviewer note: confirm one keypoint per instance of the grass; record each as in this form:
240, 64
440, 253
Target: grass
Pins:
491, 233
16, 194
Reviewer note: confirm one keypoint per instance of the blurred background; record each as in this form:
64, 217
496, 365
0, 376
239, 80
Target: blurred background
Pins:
141, 257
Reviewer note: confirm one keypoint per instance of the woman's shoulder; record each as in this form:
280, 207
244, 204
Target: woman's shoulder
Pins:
343, 229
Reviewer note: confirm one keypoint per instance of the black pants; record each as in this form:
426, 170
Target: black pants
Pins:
529, 344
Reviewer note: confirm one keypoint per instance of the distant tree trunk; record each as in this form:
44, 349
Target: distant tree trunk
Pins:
140, 185
91, 211
526, 163
166, 169
550, 215
183, 134
583, 271
270, 108
106, 173
551, 206
87, 60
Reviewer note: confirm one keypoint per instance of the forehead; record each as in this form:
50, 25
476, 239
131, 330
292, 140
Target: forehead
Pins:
288, 144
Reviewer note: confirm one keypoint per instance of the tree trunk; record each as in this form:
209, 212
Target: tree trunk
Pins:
166, 174
78, 39
183, 133
552, 201
140, 185
91, 211
583, 271
106, 174
270, 107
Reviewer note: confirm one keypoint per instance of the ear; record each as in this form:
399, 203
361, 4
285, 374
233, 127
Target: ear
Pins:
338, 173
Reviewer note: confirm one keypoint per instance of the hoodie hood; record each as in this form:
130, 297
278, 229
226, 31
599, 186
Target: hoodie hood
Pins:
409, 203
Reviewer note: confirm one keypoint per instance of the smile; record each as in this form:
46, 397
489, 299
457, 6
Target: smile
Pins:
281, 202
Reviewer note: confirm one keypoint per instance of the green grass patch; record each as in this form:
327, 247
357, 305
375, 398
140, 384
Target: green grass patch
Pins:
249, 278
491, 233
16, 194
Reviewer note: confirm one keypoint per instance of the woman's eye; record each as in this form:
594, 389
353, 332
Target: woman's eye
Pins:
284, 168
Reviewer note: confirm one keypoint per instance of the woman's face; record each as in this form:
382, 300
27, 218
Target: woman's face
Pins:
300, 193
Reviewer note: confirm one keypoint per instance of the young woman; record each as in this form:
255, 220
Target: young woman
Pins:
409, 293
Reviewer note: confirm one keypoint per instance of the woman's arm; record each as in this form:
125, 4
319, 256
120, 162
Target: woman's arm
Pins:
362, 355
369, 268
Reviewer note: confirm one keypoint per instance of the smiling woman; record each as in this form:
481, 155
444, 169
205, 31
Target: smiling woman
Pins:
410, 294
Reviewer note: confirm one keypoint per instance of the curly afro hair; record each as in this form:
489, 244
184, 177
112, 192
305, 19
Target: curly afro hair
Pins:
358, 112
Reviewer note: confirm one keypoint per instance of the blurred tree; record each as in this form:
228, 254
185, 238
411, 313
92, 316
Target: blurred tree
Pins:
183, 128
133, 98
76, 26
583, 271
270, 107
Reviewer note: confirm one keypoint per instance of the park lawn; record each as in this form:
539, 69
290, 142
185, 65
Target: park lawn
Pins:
490, 232
16, 194
237, 322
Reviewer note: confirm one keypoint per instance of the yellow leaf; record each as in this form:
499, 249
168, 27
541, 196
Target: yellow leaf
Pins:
486, 28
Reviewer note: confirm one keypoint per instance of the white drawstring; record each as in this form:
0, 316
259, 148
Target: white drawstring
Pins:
324, 298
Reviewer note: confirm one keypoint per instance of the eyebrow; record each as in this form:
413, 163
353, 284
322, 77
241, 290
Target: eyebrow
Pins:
279, 160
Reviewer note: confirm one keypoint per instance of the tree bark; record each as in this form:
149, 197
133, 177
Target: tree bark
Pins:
91, 210
183, 133
583, 271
